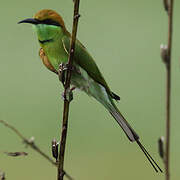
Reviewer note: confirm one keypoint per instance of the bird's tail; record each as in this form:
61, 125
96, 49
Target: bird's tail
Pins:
99, 93
131, 134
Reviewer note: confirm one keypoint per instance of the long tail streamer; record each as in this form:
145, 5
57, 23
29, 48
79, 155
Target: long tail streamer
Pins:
149, 157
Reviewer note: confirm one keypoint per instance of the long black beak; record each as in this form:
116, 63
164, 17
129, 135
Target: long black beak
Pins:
30, 21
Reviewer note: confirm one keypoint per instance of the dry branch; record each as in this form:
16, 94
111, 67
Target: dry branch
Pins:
166, 56
30, 142
60, 174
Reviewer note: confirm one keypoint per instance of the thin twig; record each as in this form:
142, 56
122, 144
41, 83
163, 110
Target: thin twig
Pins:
60, 174
28, 141
168, 87
32, 144
168, 67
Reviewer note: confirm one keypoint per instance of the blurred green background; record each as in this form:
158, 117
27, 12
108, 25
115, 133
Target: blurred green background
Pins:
124, 37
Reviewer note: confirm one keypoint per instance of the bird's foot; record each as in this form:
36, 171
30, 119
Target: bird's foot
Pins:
68, 94
63, 67
61, 72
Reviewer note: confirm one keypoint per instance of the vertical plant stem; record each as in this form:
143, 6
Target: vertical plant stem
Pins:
60, 174
168, 98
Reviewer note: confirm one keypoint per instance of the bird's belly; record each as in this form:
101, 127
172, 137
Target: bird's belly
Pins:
85, 83
80, 81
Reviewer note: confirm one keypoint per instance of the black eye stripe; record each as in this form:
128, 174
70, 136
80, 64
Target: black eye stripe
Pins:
48, 22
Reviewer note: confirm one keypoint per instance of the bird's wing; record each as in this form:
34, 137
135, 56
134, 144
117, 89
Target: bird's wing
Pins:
85, 61
45, 61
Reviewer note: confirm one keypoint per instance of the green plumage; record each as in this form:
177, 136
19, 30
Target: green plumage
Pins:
55, 42
85, 61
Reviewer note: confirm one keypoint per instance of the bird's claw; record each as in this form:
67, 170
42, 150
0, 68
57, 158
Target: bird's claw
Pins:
61, 72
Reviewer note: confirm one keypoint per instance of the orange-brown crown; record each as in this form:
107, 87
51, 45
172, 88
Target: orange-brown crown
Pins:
49, 14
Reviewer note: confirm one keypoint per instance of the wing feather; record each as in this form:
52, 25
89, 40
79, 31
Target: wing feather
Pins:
85, 61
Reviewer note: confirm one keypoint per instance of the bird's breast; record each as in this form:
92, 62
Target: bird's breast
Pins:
55, 53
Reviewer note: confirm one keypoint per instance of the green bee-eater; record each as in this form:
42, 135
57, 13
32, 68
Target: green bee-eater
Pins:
54, 40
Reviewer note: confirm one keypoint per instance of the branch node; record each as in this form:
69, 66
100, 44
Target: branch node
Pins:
62, 173
55, 149
31, 140
166, 5
161, 147
68, 94
2, 175
72, 51
164, 54
77, 16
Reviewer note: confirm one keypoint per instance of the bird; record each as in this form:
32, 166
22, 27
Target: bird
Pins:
54, 40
